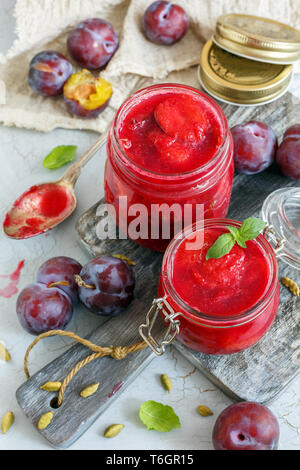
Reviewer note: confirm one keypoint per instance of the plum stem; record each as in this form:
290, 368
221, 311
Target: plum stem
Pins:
80, 282
58, 283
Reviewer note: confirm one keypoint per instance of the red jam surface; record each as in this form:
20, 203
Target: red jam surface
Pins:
171, 132
38, 209
226, 286
226, 304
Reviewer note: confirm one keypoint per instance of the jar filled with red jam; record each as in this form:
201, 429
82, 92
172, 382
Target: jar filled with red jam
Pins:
168, 145
218, 306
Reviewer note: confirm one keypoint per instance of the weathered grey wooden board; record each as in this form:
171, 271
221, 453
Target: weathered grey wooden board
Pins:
259, 373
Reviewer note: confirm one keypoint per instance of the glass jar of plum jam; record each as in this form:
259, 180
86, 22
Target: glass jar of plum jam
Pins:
216, 306
168, 144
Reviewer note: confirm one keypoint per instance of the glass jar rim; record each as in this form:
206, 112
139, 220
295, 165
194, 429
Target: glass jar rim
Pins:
215, 321
169, 176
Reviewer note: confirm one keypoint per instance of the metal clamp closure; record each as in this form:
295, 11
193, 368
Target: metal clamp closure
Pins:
270, 234
160, 306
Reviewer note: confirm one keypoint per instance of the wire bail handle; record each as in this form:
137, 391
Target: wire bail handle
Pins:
270, 235
160, 305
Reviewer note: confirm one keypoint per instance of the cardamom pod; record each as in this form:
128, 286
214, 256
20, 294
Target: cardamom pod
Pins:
7, 421
291, 285
166, 382
124, 258
51, 386
45, 420
90, 390
4, 354
204, 410
113, 430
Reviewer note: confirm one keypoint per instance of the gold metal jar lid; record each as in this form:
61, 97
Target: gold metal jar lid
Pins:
241, 81
258, 38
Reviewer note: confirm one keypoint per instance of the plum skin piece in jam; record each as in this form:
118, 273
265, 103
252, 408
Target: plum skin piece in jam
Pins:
165, 23
153, 161
228, 303
93, 43
85, 95
246, 426
48, 72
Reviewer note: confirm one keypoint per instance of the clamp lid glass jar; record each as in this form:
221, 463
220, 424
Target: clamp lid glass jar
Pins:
224, 305
220, 306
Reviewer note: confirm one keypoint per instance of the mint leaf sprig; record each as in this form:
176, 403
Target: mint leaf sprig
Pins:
249, 230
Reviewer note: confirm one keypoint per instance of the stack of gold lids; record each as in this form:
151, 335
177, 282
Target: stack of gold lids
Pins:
249, 60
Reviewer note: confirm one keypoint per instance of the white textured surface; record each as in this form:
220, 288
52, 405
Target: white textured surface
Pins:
21, 153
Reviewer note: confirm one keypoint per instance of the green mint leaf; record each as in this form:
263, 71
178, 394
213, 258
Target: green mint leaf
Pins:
241, 242
251, 228
59, 156
221, 247
236, 233
157, 416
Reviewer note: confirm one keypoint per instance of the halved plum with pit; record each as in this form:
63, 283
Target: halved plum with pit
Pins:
85, 95
180, 117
